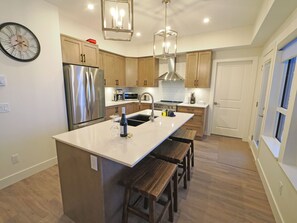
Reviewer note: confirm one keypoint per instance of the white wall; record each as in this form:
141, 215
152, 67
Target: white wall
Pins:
34, 92
283, 199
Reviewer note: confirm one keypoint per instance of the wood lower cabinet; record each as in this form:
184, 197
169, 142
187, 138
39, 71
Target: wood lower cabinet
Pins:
198, 121
148, 71
144, 106
79, 52
114, 69
198, 69
117, 109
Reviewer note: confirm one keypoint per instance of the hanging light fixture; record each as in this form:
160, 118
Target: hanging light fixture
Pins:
165, 40
117, 19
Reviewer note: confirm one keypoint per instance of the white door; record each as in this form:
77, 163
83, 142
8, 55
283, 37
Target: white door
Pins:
261, 103
232, 92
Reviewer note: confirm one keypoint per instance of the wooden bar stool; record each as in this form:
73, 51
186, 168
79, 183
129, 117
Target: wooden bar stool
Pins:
150, 178
187, 136
174, 152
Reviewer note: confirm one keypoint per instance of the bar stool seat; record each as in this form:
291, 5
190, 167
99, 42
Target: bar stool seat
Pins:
174, 152
187, 136
150, 178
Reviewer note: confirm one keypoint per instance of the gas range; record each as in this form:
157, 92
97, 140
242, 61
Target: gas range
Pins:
166, 104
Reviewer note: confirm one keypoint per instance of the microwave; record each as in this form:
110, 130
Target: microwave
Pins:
130, 96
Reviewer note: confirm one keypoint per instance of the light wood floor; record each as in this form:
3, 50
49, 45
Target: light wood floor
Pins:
225, 188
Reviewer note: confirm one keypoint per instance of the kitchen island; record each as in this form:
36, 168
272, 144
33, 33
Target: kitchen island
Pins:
93, 161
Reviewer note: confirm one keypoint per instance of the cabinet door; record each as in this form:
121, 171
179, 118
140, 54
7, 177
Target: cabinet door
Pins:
204, 69
144, 106
100, 60
129, 108
191, 70
131, 72
108, 64
90, 54
151, 68
148, 69
119, 71
71, 50
142, 74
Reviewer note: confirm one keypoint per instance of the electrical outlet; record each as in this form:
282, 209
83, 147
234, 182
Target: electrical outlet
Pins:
15, 158
4, 107
94, 162
2, 80
281, 186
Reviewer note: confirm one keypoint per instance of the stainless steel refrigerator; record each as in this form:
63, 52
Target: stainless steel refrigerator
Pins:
85, 95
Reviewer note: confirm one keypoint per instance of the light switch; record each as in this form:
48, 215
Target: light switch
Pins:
94, 162
2, 80
4, 107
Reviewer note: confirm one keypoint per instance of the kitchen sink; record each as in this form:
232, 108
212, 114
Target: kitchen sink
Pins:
141, 117
138, 119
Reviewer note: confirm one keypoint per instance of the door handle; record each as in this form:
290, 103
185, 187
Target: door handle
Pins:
261, 116
216, 103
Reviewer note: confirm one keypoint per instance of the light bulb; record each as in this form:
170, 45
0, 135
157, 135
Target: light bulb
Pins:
122, 12
112, 11
90, 6
206, 20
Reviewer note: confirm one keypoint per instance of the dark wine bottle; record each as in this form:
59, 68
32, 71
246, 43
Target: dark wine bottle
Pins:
123, 124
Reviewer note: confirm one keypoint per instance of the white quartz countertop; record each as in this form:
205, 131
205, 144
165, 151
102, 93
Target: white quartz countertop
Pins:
115, 103
204, 105
98, 139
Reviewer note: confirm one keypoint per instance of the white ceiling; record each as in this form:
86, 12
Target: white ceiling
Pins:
260, 17
184, 16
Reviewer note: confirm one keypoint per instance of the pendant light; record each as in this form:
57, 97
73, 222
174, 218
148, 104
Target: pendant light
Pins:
117, 19
165, 40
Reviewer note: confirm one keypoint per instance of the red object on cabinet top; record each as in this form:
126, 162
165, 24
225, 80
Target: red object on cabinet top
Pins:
92, 41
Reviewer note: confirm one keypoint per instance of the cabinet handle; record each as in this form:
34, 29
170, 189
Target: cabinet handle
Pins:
136, 83
81, 58
84, 58
104, 81
145, 82
117, 82
197, 83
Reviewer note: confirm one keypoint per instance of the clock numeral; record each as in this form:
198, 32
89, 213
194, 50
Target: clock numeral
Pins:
4, 33
10, 30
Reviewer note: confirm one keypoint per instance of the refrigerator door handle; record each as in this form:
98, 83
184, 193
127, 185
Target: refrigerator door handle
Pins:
88, 92
93, 96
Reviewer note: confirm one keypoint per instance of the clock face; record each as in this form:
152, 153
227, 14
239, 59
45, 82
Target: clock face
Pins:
18, 42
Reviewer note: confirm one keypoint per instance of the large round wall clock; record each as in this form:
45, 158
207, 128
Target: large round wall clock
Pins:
18, 42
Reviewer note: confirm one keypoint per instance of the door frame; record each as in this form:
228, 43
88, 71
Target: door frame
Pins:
215, 64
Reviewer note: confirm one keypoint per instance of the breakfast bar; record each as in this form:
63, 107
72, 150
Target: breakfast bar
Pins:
93, 161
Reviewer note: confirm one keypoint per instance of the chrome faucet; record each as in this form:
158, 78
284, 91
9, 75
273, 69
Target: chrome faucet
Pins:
153, 107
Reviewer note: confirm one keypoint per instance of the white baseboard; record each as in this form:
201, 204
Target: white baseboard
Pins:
9, 180
275, 210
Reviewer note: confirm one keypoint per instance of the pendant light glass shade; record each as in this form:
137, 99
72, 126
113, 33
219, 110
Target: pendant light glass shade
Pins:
117, 19
165, 40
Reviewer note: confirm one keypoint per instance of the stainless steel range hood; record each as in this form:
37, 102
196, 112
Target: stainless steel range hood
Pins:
171, 75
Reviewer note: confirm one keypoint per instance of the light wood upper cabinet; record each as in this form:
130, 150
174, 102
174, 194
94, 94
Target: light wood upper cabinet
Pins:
100, 60
131, 72
79, 52
198, 69
114, 69
148, 70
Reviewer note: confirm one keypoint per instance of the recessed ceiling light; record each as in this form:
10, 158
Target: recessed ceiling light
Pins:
206, 20
90, 6
138, 34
